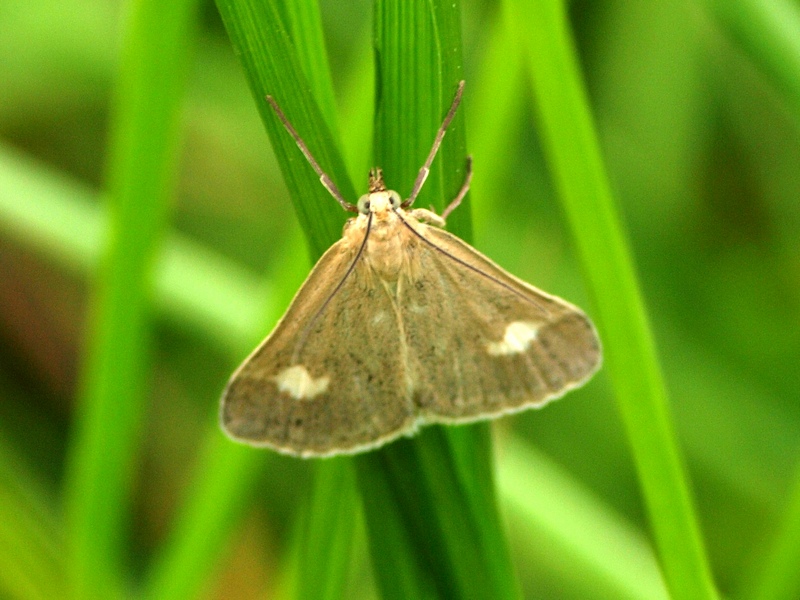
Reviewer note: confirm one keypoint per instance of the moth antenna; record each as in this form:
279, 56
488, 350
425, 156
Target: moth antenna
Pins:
323, 176
307, 330
473, 268
426, 168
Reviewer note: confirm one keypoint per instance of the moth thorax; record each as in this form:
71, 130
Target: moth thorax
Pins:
389, 251
376, 180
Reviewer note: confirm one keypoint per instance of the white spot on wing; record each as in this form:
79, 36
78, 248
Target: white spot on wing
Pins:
417, 309
299, 384
517, 339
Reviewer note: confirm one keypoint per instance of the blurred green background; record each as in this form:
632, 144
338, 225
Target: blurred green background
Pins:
698, 109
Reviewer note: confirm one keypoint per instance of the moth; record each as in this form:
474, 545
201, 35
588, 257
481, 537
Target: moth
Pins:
401, 324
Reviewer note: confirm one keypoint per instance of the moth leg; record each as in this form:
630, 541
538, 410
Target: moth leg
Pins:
462, 192
427, 216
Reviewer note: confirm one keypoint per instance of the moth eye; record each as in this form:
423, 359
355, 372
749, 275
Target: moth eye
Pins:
395, 198
363, 204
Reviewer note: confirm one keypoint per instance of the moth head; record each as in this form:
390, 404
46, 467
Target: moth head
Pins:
379, 202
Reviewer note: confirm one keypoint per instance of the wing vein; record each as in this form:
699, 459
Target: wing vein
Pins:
307, 331
473, 268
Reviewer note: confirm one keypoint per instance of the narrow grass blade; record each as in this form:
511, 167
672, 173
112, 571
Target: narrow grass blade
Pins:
429, 502
327, 532
64, 222
305, 24
32, 564
769, 32
257, 30
573, 154
215, 502
185, 564
777, 576
53, 215
356, 112
432, 520
226, 473
272, 67
607, 557
142, 165
497, 100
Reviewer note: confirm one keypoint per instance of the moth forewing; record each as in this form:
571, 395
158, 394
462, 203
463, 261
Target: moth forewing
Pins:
338, 393
500, 346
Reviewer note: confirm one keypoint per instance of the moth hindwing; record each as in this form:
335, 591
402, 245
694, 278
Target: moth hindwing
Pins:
398, 325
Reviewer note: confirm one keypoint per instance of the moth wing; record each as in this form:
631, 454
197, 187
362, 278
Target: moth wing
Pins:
484, 343
325, 383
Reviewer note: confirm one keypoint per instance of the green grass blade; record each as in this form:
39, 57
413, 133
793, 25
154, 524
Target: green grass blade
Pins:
607, 557
356, 111
418, 48
185, 563
272, 67
573, 153
64, 223
194, 287
429, 503
398, 566
327, 532
305, 24
142, 165
226, 474
432, 520
32, 562
777, 576
769, 32
496, 103
49, 213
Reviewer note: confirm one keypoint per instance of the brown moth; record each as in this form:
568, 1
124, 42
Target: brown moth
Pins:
401, 324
